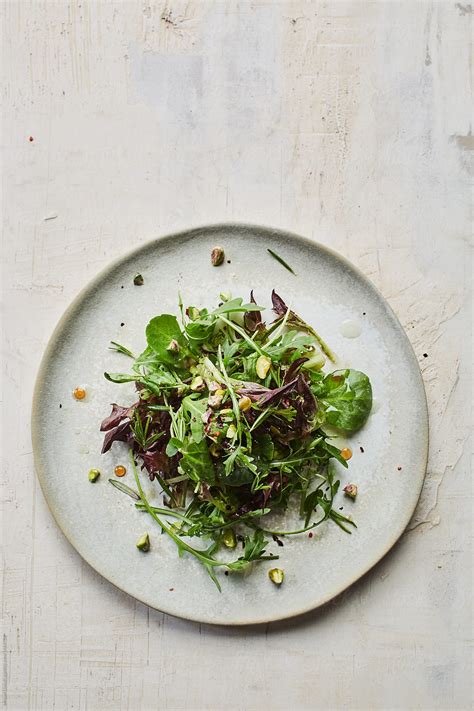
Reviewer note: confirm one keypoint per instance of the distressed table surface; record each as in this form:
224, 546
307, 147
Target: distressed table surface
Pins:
348, 122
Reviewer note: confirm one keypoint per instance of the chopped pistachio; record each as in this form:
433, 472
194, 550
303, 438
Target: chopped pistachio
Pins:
217, 256
276, 575
245, 403
216, 399
214, 450
138, 280
197, 384
229, 539
231, 432
173, 346
263, 366
143, 543
225, 296
350, 490
193, 313
315, 361
94, 474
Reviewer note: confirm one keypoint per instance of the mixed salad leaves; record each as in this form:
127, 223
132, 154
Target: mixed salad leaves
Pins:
231, 421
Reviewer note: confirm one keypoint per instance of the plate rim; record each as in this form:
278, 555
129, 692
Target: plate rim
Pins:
78, 300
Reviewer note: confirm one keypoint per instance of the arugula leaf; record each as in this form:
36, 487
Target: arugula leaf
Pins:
120, 377
254, 549
235, 306
196, 409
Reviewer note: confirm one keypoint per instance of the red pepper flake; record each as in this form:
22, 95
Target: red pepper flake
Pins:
310, 534
31, 139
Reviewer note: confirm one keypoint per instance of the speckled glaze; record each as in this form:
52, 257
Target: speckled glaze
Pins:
103, 525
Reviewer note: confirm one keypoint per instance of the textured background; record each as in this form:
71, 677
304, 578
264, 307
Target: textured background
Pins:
348, 122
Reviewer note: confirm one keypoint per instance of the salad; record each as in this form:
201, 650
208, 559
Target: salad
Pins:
234, 419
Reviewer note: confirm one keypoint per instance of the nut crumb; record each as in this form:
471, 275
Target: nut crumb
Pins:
217, 256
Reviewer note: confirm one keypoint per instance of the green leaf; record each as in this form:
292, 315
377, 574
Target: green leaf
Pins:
199, 331
120, 377
346, 396
174, 445
254, 548
235, 306
121, 349
160, 332
197, 463
125, 489
263, 448
195, 409
280, 260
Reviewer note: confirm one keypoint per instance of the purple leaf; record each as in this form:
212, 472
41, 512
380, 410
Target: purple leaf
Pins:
279, 306
306, 407
267, 396
254, 391
253, 319
116, 416
276, 394
293, 369
121, 433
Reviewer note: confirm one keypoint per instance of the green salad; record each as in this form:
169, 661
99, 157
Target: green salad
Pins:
231, 421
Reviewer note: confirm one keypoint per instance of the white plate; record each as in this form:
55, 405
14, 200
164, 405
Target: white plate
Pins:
102, 523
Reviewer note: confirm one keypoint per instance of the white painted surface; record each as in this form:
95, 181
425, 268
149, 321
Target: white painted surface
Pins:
347, 122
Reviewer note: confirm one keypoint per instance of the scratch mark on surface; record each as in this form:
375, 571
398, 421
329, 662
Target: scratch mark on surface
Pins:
5, 670
431, 523
427, 57
452, 389
464, 9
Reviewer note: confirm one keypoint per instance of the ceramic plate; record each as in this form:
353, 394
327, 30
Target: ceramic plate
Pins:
390, 452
